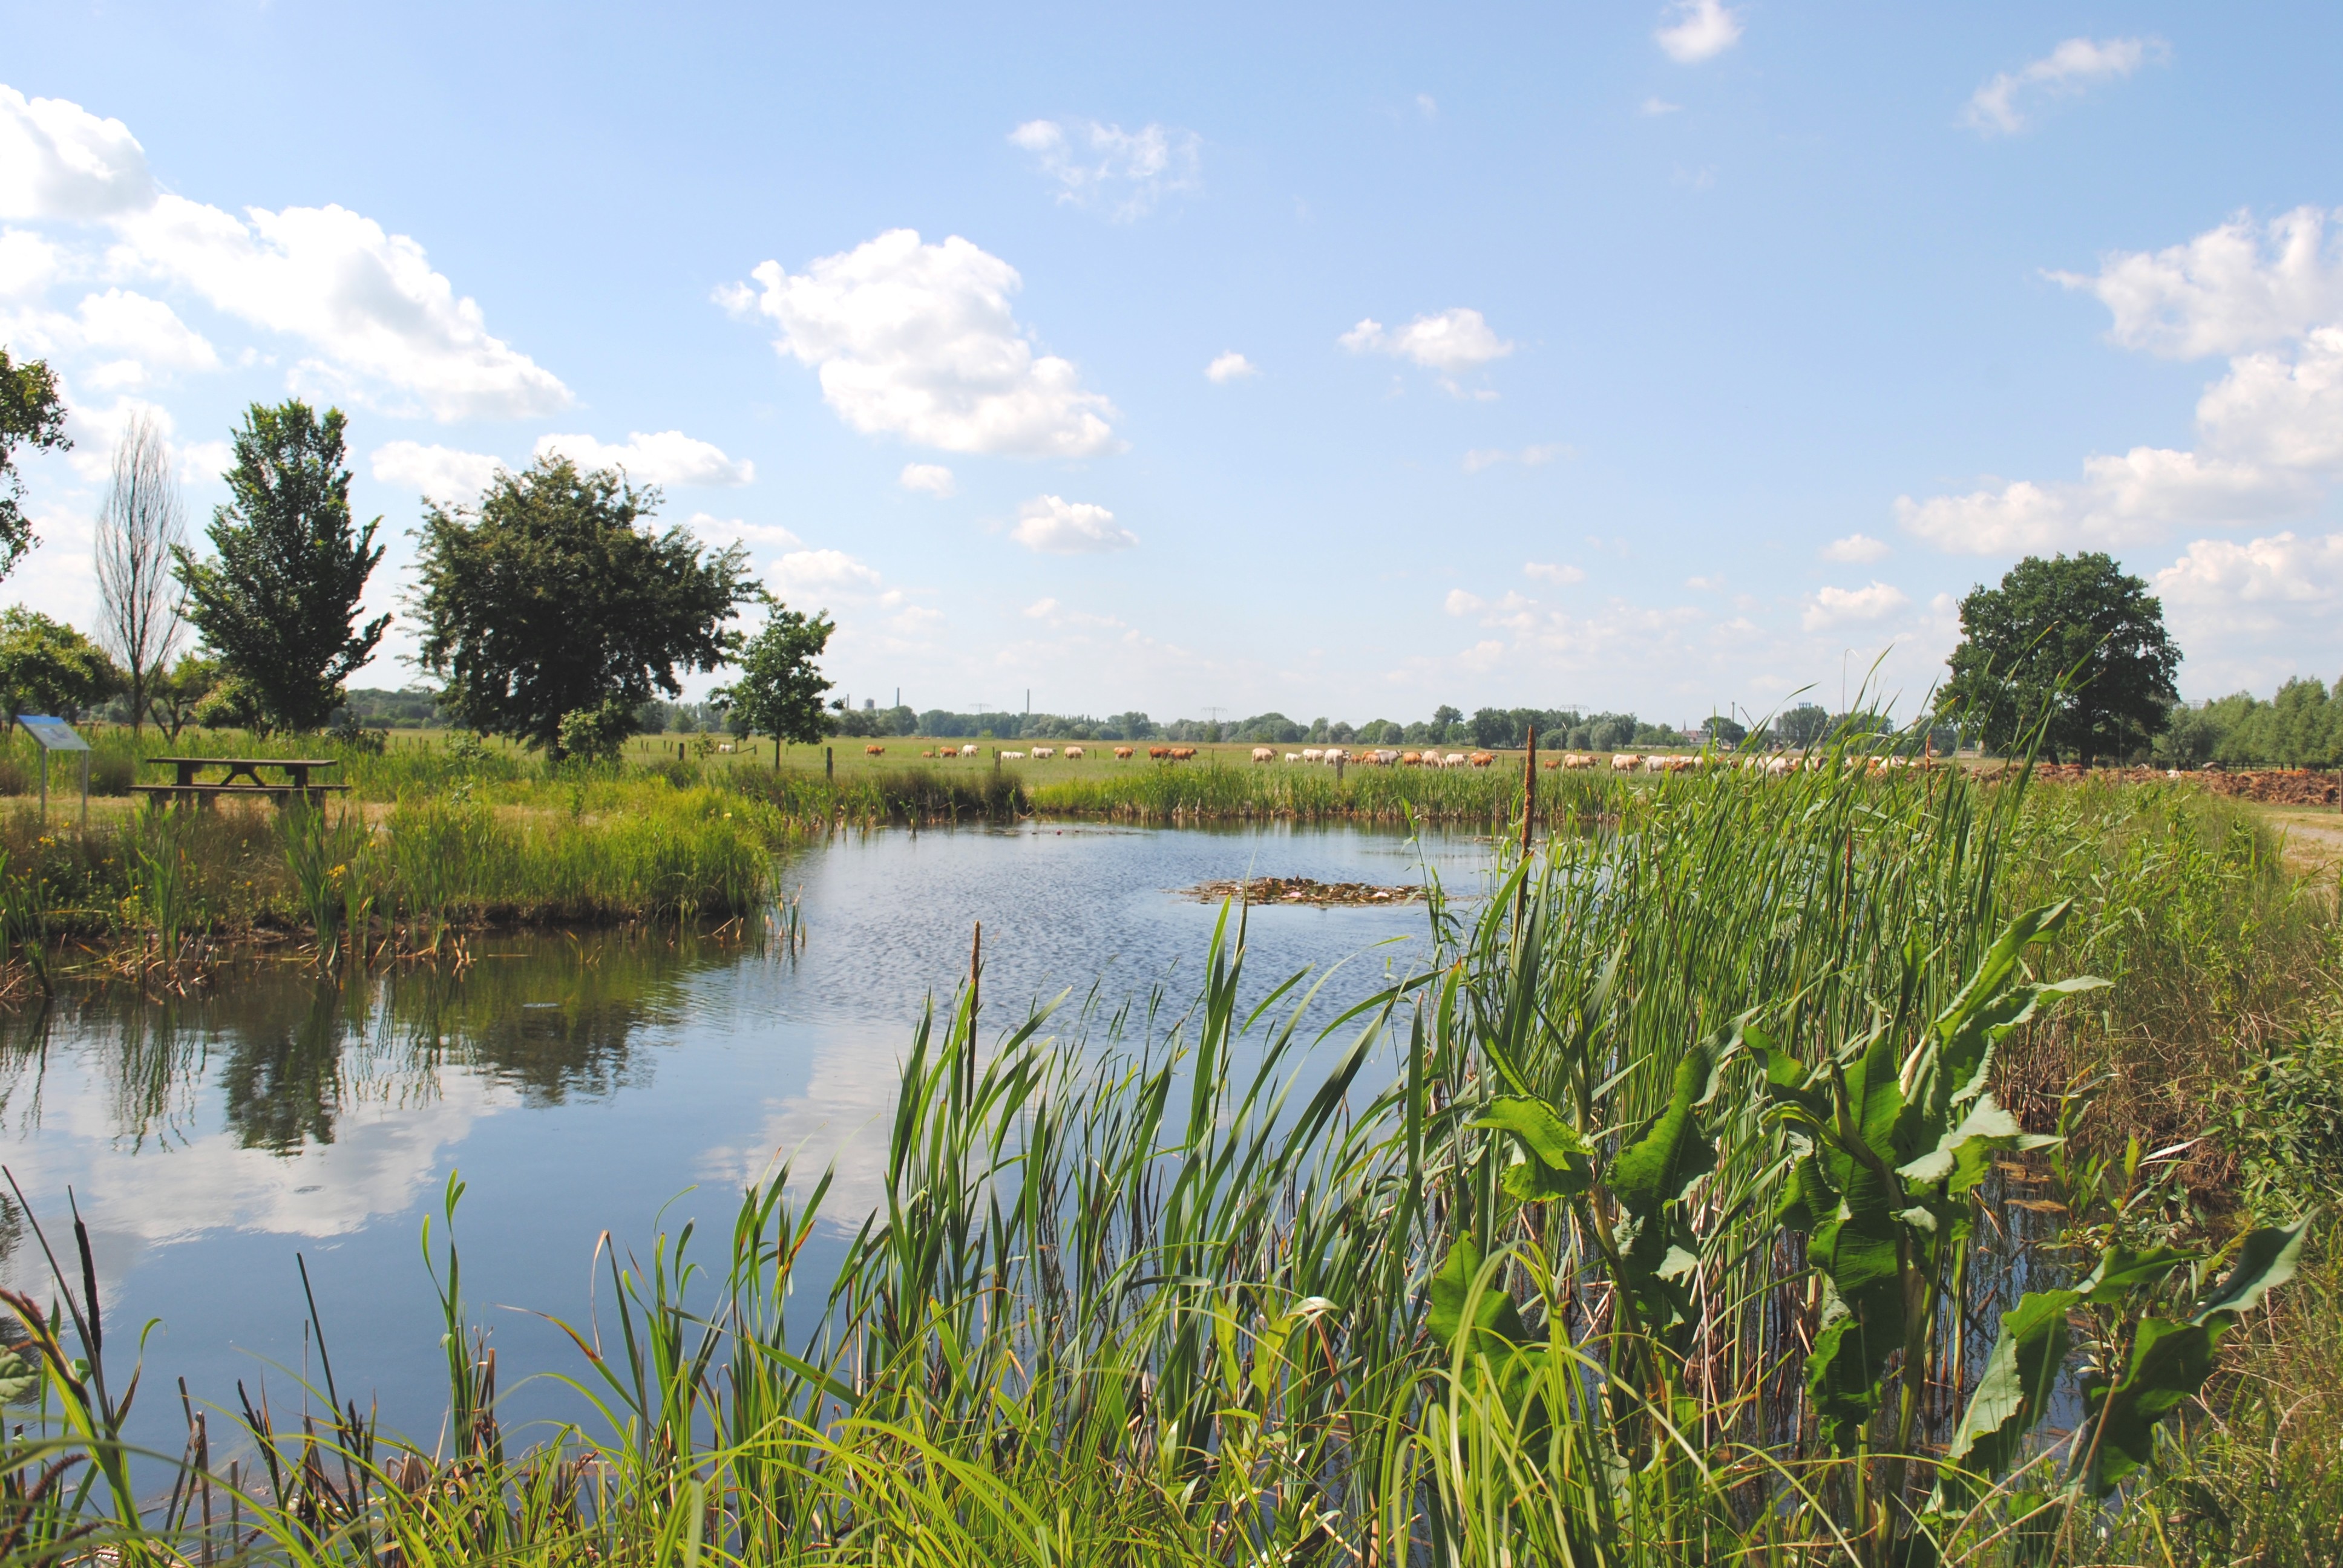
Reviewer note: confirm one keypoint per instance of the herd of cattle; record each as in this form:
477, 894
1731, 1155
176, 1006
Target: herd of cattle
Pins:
1335, 755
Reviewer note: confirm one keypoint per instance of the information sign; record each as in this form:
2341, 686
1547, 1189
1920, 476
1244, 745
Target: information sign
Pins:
56, 735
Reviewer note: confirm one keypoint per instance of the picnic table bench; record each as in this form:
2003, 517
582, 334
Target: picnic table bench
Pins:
241, 778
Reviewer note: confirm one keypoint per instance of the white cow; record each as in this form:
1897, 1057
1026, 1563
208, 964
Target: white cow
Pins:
1263, 754
1043, 753
1012, 757
1334, 754
1314, 755
1625, 762
1453, 759
1293, 757
968, 751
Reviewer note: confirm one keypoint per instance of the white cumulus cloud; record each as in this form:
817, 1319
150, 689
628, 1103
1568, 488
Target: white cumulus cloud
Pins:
1535, 456
1553, 572
1836, 606
2256, 612
1060, 527
811, 574
436, 473
28, 264
734, 530
1231, 367
2270, 430
1697, 30
381, 326
1454, 340
2240, 286
1996, 108
919, 341
1856, 547
1121, 173
665, 457
932, 479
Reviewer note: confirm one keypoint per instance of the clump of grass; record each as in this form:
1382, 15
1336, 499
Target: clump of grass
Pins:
1214, 792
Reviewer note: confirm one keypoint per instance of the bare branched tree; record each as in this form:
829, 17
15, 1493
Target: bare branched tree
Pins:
139, 600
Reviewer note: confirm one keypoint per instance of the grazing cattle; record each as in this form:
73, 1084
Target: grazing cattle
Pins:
874, 751
1263, 754
1412, 760
1013, 756
927, 753
1181, 753
1122, 754
725, 746
1158, 753
1314, 755
1775, 767
1552, 763
1293, 757
1625, 762
1385, 758
1453, 759
1577, 760
1333, 755
1043, 753
1481, 758
1073, 754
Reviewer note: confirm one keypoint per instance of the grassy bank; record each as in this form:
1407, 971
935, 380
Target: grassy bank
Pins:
1617, 1234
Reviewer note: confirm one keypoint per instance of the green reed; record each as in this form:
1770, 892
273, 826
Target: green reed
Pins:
1657, 1219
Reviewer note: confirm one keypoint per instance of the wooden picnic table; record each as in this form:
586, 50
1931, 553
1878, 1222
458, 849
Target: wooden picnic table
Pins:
241, 777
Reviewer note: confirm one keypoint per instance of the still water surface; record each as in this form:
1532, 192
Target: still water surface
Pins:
582, 1084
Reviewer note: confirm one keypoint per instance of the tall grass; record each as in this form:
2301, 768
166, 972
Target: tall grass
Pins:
1213, 791
1524, 1259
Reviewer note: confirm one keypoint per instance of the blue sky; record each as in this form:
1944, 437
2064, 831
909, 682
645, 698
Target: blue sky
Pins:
1339, 360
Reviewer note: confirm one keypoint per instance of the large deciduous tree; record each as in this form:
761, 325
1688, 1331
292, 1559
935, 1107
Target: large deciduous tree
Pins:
279, 604
48, 666
2072, 644
142, 522
553, 611
32, 415
780, 691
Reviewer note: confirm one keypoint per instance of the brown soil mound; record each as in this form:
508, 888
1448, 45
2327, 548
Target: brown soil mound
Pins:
2271, 786
1301, 891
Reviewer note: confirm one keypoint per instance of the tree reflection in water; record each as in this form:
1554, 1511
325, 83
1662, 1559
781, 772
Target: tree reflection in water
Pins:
556, 1018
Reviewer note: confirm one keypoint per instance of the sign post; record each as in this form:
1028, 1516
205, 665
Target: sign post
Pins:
56, 735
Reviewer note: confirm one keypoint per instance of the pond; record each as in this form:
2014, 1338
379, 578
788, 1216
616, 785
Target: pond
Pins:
616, 1081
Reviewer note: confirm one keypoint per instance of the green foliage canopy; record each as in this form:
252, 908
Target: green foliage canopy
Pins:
32, 413
48, 666
279, 606
2071, 643
780, 689
551, 598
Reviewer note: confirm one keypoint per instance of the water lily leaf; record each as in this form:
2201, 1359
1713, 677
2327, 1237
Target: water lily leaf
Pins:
2012, 1394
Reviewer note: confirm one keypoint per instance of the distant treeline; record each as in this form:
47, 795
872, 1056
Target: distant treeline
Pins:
2302, 727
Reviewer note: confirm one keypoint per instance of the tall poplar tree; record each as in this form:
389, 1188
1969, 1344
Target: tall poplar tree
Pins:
32, 413
279, 604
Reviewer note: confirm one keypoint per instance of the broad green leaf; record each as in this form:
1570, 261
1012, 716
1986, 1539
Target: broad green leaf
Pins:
1493, 1312
2012, 1394
2122, 1270
1807, 1199
2266, 1261
19, 1379
1534, 1182
1674, 1153
1553, 1142
1986, 1125
2170, 1363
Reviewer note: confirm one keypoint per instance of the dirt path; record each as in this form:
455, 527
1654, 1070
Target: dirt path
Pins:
2314, 837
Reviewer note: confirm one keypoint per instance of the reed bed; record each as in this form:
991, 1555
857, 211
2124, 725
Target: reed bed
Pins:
1667, 1217
1214, 792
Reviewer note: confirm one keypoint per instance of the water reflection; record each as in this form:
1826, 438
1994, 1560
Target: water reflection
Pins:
583, 1083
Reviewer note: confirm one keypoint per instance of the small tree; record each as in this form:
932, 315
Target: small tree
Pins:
2072, 644
780, 689
32, 413
549, 599
1724, 731
48, 666
279, 606
1802, 726
139, 528
174, 694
